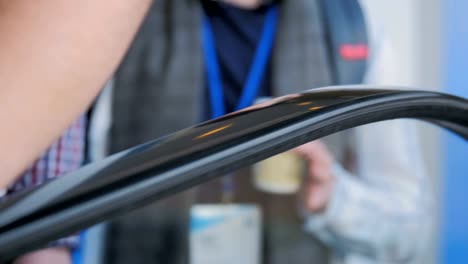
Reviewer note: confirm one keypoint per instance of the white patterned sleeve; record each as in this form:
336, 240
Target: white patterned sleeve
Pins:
382, 212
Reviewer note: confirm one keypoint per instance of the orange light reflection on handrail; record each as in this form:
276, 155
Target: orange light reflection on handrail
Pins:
214, 131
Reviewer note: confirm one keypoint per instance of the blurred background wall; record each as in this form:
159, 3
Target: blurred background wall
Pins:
454, 224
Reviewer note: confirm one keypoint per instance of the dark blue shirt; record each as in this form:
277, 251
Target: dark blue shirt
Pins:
237, 33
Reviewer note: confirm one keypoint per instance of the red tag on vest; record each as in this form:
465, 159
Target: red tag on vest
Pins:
351, 52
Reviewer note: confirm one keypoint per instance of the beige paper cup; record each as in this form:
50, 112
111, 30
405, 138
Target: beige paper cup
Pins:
281, 174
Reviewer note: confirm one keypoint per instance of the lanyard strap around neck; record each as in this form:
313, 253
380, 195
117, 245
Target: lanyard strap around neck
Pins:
256, 72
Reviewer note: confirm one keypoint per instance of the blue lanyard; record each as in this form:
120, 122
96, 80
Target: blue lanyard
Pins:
257, 70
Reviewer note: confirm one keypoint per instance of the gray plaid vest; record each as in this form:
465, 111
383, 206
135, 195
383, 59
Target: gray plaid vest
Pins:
158, 89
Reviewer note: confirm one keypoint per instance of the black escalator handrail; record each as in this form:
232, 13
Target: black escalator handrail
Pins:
164, 167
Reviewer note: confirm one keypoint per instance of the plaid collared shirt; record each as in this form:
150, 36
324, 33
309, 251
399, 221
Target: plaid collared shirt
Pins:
64, 155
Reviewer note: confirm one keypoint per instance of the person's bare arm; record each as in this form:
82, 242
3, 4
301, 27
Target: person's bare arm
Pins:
46, 256
55, 55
